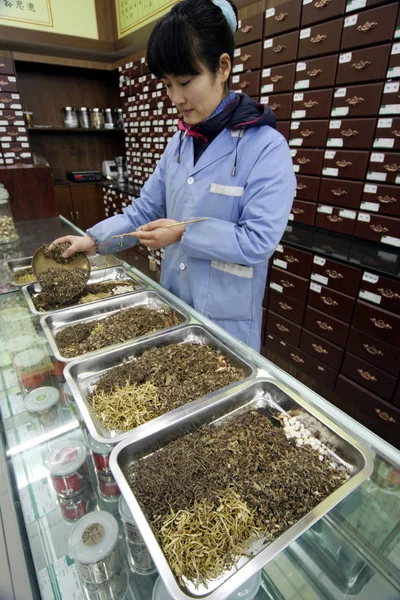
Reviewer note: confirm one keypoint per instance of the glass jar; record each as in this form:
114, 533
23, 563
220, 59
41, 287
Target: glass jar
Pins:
43, 403
108, 119
96, 120
70, 117
84, 118
67, 464
139, 558
120, 118
8, 233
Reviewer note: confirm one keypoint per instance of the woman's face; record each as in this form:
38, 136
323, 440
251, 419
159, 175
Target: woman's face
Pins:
197, 96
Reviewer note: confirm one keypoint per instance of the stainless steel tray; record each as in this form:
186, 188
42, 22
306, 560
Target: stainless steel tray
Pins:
97, 311
82, 375
99, 276
264, 395
19, 265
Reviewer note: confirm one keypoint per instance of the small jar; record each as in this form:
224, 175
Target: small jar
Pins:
108, 487
116, 589
96, 120
93, 544
8, 233
84, 118
120, 118
20, 343
68, 468
101, 456
108, 119
138, 556
70, 117
32, 367
72, 509
43, 404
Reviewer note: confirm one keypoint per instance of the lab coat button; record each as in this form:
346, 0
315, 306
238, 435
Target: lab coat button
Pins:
190, 180
182, 266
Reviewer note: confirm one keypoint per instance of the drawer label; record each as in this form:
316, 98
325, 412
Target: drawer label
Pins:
301, 66
280, 263
392, 241
334, 142
302, 85
276, 287
397, 33
305, 33
236, 79
393, 72
329, 154
364, 217
237, 68
330, 171
298, 97
298, 114
266, 73
340, 111
395, 49
371, 206
268, 43
350, 21
292, 152
266, 89
391, 87
291, 217
348, 214
389, 109
377, 157
296, 168
370, 188
355, 5
385, 123
296, 142
269, 13
319, 278
375, 298
335, 124
307, 2
237, 52
376, 176
383, 143
345, 58
318, 260
279, 248
295, 125
370, 277
340, 93
315, 287
322, 208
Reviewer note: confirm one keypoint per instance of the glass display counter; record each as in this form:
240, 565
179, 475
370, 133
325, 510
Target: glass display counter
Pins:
353, 551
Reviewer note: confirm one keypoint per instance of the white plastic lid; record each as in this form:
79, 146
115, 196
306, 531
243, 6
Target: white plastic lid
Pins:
68, 108
29, 358
108, 109
66, 457
93, 538
99, 448
41, 399
20, 343
124, 511
83, 108
247, 591
95, 109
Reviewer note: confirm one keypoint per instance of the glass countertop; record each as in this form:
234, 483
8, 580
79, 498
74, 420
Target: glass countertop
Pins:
354, 551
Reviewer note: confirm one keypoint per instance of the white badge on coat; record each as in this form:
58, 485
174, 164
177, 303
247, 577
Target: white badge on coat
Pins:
226, 190
233, 269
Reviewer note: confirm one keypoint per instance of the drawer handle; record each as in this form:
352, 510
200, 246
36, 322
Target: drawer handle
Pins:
246, 29
389, 294
324, 326
367, 376
274, 106
310, 103
349, 132
301, 186
282, 328
379, 228
360, 65
276, 78
322, 3
319, 349
296, 358
318, 39
297, 211
303, 160
314, 72
393, 168
286, 284
334, 219
396, 132
372, 350
279, 48
343, 163
291, 259
244, 84
328, 301
245, 57
333, 274
380, 324
386, 199
3, 82
339, 192
355, 100
306, 133
368, 25
384, 416
281, 17
285, 306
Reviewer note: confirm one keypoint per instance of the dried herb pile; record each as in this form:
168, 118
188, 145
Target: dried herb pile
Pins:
120, 327
278, 480
57, 252
177, 374
61, 285
25, 276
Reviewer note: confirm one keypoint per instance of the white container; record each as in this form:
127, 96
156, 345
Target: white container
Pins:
247, 591
68, 469
43, 403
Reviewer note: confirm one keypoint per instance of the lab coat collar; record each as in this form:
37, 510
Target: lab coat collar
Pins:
222, 145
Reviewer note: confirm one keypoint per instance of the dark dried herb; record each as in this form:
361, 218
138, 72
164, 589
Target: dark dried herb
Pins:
62, 285
117, 328
57, 252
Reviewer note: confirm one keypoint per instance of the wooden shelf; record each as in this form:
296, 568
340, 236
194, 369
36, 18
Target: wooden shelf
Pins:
75, 130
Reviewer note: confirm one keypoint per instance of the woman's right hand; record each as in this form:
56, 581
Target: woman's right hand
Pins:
78, 244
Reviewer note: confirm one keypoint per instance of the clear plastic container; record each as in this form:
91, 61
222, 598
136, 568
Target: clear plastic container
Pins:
43, 404
84, 117
101, 456
8, 233
139, 558
68, 468
75, 507
108, 487
33, 368
108, 119
70, 117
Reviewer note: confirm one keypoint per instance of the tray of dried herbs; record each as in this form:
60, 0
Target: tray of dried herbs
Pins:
222, 490
105, 283
97, 326
21, 271
128, 387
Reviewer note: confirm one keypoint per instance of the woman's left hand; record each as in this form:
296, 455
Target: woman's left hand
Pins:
153, 237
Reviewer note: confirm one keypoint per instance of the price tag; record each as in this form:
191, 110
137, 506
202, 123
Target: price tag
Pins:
364, 217
334, 142
45, 586
67, 579
301, 66
318, 260
375, 298
392, 241
350, 21
348, 214
330, 172
276, 287
267, 89
371, 206
370, 277
335, 124
280, 263
305, 33
298, 114
340, 111
269, 13
377, 157
319, 278
383, 143
327, 210
345, 58
315, 287
268, 43
266, 73
302, 84
395, 49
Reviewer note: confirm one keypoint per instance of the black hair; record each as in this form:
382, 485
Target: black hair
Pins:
192, 34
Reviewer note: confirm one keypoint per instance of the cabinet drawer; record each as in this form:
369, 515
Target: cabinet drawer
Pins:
381, 290
250, 30
384, 167
307, 188
369, 27
285, 329
335, 275
293, 260
321, 349
357, 100
290, 285
307, 162
384, 199
390, 103
374, 351
367, 64
378, 228
333, 303
329, 328
340, 192
394, 61
10, 101
351, 133
6, 66
315, 104
316, 73
284, 128
282, 18
387, 134
377, 322
247, 58
348, 164
308, 134
318, 10
276, 80
303, 212
367, 408
280, 104
341, 220
291, 309
8, 83
323, 38
248, 83
368, 376
281, 49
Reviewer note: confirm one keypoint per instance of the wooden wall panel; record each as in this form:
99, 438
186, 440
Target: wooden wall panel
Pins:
31, 191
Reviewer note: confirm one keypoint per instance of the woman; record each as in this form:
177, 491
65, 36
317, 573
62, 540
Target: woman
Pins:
227, 163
